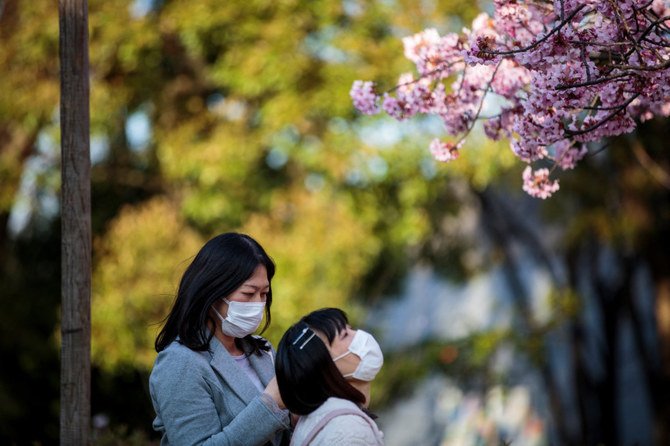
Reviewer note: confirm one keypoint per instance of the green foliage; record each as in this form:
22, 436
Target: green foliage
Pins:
139, 260
252, 129
321, 248
248, 102
29, 79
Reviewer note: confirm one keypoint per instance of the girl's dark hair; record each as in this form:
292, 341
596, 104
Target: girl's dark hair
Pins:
306, 373
219, 268
329, 321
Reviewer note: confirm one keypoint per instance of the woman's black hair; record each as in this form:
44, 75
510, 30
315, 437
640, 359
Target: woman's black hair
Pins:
221, 266
306, 373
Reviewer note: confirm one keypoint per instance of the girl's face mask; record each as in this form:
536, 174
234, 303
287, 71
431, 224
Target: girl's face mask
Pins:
367, 349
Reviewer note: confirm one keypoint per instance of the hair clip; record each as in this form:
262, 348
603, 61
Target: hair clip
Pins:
308, 339
302, 333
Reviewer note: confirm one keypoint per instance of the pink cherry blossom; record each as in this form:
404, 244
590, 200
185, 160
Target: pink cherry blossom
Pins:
563, 74
537, 183
364, 97
566, 155
443, 151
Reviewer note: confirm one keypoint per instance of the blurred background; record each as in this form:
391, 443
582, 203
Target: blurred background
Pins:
504, 319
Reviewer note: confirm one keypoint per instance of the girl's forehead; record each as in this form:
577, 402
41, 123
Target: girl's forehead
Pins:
340, 340
321, 335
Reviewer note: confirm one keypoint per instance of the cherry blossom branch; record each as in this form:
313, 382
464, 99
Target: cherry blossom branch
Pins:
585, 64
593, 82
598, 108
662, 66
653, 25
537, 42
664, 45
614, 59
605, 44
622, 21
425, 75
619, 109
481, 104
460, 86
655, 170
597, 151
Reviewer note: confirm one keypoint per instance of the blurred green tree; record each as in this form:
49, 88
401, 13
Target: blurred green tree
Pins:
247, 104
209, 117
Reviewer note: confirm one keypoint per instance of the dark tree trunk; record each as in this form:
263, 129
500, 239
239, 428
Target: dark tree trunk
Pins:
662, 422
75, 410
503, 227
649, 154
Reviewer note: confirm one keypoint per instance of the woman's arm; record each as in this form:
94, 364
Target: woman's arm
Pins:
182, 396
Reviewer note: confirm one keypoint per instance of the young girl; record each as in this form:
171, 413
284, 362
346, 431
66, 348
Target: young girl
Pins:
324, 369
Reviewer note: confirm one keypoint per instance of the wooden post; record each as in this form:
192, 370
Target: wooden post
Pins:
75, 390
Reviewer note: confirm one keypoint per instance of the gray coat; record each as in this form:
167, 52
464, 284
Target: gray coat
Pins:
204, 398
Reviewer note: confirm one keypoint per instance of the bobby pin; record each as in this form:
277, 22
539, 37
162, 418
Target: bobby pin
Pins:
302, 333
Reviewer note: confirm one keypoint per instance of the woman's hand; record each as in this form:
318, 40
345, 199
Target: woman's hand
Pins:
294, 420
272, 390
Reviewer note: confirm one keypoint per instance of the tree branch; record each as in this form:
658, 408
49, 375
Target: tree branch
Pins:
621, 108
593, 82
537, 42
655, 170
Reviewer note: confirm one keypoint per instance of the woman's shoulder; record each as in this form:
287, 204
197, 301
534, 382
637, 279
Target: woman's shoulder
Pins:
177, 356
261, 338
262, 343
178, 350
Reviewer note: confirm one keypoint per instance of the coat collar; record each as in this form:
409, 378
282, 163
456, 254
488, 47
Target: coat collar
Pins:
234, 376
264, 365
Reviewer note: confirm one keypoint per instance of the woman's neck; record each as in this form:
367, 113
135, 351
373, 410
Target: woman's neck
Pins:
227, 341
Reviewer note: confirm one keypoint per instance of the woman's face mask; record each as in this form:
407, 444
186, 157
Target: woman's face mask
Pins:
365, 347
244, 315
243, 318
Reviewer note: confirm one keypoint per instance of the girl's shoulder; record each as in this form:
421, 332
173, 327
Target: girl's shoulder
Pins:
349, 429
334, 403
337, 422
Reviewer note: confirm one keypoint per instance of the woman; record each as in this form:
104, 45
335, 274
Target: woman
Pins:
324, 369
213, 381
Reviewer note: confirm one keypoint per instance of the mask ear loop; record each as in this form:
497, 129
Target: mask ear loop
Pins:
341, 356
348, 375
347, 352
218, 314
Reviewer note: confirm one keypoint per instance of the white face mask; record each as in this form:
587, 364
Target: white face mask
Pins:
243, 318
365, 347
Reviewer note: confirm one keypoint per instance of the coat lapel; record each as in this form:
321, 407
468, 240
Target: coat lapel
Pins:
264, 366
231, 373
